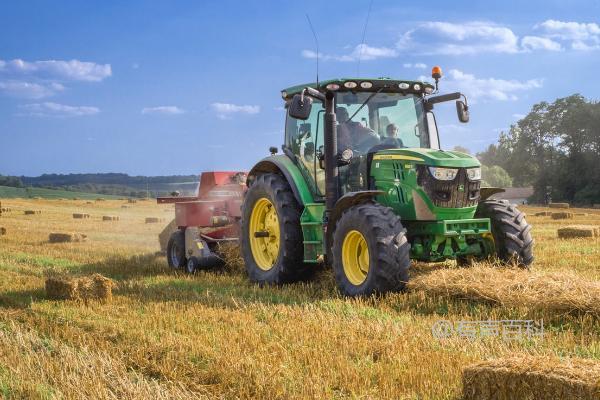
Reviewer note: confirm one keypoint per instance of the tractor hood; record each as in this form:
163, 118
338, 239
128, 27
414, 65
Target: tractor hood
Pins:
432, 157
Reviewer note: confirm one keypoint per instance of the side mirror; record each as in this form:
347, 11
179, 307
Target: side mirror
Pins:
300, 107
462, 110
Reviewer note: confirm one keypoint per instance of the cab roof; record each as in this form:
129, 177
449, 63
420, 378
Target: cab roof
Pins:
388, 85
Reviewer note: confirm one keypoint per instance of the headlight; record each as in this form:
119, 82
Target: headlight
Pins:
443, 174
474, 174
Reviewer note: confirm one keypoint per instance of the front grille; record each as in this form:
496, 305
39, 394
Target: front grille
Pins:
448, 194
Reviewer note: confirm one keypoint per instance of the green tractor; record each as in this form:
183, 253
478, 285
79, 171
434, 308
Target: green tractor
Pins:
363, 186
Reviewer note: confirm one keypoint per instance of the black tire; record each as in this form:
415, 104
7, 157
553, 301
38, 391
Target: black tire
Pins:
176, 250
389, 250
191, 265
289, 265
511, 232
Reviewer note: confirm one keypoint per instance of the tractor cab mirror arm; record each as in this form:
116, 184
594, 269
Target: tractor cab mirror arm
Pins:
301, 103
440, 99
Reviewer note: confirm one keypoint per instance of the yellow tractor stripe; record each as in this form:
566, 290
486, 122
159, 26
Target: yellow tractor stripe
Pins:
396, 157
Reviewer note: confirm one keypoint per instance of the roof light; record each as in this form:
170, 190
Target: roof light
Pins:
366, 85
436, 72
403, 85
332, 86
417, 87
428, 89
350, 84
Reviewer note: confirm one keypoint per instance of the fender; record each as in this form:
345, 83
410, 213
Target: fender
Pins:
487, 192
283, 165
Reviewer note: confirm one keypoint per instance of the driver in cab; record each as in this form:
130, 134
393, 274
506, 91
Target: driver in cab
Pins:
353, 135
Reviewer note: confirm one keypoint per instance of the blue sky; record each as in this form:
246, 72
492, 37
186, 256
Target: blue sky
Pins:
176, 87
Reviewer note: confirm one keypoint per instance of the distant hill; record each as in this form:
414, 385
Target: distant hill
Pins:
115, 184
8, 192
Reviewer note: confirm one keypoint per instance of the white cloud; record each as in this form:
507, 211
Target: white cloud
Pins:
457, 39
165, 110
48, 109
363, 52
415, 65
57, 69
225, 110
489, 88
540, 43
30, 90
578, 35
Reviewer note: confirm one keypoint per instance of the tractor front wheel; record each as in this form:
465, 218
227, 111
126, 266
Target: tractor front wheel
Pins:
510, 232
370, 251
271, 239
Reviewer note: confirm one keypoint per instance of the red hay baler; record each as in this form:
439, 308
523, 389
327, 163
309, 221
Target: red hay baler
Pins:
205, 220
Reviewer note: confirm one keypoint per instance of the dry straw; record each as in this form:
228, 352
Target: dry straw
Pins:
513, 287
95, 287
562, 215
558, 205
543, 214
2, 230
153, 220
528, 377
578, 231
125, 206
80, 215
32, 212
110, 218
58, 237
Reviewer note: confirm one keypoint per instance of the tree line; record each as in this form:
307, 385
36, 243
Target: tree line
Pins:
555, 148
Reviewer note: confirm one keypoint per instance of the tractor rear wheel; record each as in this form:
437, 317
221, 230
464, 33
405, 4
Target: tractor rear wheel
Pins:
176, 250
271, 240
510, 231
370, 251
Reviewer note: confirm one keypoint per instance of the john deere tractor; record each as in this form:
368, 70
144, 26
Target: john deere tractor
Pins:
364, 186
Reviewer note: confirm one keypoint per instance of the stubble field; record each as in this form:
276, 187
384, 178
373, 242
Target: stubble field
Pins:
215, 335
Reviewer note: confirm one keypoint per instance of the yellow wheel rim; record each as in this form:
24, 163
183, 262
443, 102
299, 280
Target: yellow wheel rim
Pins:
264, 234
355, 257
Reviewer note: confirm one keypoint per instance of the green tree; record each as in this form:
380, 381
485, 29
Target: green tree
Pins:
495, 176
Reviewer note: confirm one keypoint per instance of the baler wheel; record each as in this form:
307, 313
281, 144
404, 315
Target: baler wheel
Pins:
271, 239
176, 250
370, 251
511, 232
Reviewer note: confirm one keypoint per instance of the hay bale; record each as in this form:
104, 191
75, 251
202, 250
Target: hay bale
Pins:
2, 230
58, 237
110, 218
562, 215
153, 220
100, 199
543, 214
80, 215
580, 214
89, 202
32, 212
529, 377
5, 209
558, 205
125, 206
95, 287
579, 231
131, 201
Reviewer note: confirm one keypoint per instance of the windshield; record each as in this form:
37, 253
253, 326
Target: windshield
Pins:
389, 120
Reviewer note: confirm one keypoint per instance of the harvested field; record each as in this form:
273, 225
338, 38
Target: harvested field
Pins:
579, 231
562, 215
558, 205
166, 334
132, 201
543, 214
110, 218
540, 378
57, 237
153, 220
81, 215
2, 230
